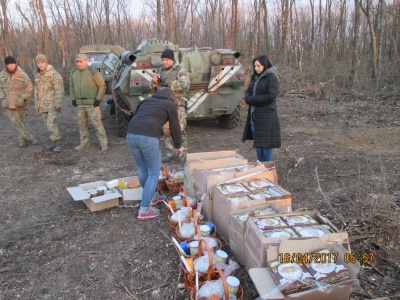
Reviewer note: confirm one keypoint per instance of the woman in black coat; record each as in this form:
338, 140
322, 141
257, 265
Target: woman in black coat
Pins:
262, 124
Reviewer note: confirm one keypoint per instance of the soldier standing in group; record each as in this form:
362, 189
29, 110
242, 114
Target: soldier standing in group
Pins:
177, 78
15, 92
87, 88
49, 97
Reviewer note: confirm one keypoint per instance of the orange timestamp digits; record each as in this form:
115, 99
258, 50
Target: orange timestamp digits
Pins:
364, 258
307, 258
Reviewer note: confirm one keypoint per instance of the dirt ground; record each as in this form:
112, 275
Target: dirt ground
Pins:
53, 248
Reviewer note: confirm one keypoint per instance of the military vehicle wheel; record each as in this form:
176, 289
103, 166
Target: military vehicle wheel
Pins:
230, 121
122, 118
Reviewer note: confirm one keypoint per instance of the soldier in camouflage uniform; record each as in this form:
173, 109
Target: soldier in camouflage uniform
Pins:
177, 78
87, 88
15, 92
49, 97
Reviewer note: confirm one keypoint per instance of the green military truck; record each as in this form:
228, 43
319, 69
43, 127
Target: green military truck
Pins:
96, 54
216, 81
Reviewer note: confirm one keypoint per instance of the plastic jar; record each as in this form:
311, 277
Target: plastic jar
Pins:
205, 230
194, 248
233, 284
177, 200
221, 256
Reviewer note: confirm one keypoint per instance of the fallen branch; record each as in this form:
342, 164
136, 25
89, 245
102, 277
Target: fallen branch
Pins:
158, 286
130, 294
6, 269
325, 200
376, 269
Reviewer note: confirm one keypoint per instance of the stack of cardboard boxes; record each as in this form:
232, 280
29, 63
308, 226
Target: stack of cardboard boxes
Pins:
228, 186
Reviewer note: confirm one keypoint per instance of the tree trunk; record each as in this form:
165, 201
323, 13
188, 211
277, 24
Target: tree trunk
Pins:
159, 22
355, 60
4, 27
368, 13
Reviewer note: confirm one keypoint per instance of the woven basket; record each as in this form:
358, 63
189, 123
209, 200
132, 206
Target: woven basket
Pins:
174, 224
173, 187
161, 184
188, 241
197, 223
189, 277
240, 293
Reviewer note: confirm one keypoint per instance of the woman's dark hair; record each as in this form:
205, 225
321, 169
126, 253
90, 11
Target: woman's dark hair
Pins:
264, 61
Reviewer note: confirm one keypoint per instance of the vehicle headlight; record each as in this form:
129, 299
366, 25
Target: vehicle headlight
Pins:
107, 72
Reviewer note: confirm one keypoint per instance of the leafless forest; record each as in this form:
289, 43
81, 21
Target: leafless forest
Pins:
327, 48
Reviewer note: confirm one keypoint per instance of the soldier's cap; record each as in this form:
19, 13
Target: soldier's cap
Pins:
10, 60
41, 58
80, 57
168, 53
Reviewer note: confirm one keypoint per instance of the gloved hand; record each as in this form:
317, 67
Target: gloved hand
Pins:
96, 103
74, 103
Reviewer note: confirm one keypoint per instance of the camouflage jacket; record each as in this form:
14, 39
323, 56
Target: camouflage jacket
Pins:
49, 89
86, 86
15, 89
177, 78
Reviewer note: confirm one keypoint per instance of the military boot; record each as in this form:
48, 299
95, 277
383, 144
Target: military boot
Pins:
104, 147
58, 147
81, 147
35, 141
51, 145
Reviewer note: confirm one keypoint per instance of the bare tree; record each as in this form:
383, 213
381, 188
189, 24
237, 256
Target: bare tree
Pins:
355, 60
367, 10
4, 26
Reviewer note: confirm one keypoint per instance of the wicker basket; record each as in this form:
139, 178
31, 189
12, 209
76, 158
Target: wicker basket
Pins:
189, 277
174, 224
188, 241
197, 223
173, 187
240, 293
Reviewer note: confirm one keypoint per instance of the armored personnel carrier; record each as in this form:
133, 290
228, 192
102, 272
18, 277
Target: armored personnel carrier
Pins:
216, 81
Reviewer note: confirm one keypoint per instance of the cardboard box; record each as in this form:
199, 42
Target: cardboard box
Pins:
250, 259
222, 207
212, 160
131, 196
237, 230
205, 180
259, 243
79, 193
267, 288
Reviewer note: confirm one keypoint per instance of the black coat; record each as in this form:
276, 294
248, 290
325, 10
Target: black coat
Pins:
266, 120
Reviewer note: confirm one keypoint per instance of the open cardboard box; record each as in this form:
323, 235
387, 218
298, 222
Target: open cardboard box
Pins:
258, 243
205, 180
267, 288
79, 193
237, 229
222, 207
131, 196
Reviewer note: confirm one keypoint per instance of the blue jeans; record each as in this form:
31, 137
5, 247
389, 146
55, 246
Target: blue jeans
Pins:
263, 154
147, 155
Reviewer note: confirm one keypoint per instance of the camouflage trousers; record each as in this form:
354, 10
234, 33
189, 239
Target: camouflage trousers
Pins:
86, 113
18, 117
168, 143
50, 119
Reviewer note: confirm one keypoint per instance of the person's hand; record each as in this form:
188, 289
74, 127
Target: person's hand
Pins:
96, 103
74, 103
179, 152
155, 78
37, 109
58, 108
